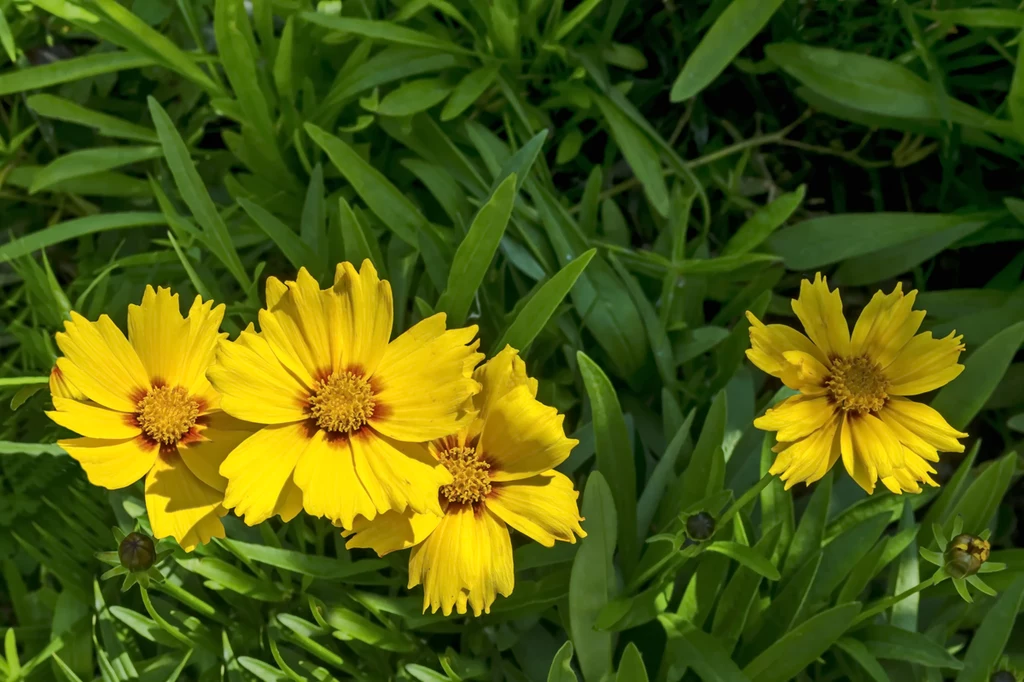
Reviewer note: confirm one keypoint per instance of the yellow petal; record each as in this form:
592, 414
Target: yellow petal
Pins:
201, 349
392, 531
466, 560
821, 313
807, 460
926, 423
93, 421
296, 329
542, 507
156, 330
916, 471
876, 445
100, 362
60, 387
112, 464
397, 475
259, 469
770, 343
289, 503
856, 466
221, 435
925, 364
498, 376
253, 385
885, 325
180, 505
326, 474
523, 437
810, 373
424, 381
796, 417
361, 312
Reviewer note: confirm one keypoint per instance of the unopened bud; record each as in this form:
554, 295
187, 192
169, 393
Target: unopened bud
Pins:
700, 526
136, 552
965, 554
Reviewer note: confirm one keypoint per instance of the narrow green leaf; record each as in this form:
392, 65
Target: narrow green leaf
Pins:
475, 253
811, 531
801, 646
592, 581
66, 70
732, 31
1015, 98
561, 665
640, 153
764, 222
979, 504
653, 492
738, 597
62, 109
689, 647
952, 492
392, 206
747, 556
960, 400
88, 162
785, 611
468, 91
7, 39
521, 162
864, 658
313, 223
976, 18
575, 18
538, 310
233, 578
384, 31
77, 227
297, 251
698, 480
68, 673
991, 638
631, 666
358, 239
908, 574
413, 97
893, 643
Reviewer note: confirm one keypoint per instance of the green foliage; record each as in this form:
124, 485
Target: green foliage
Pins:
607, 186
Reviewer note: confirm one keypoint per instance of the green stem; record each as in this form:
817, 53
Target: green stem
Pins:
167, 627
189, 599
889, 602
745, 499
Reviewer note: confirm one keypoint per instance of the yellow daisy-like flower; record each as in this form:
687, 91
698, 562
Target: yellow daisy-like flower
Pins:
502, 475
344, 412
853, 390
146, 409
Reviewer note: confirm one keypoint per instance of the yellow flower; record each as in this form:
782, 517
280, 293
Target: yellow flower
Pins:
502, 475
853, 390
146, 409
344, 412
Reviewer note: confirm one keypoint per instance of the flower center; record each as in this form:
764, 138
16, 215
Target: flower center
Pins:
342, 403
472, 483
857, 384
166, 414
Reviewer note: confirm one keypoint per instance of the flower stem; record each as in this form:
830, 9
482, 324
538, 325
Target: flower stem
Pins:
189, 599
888, 602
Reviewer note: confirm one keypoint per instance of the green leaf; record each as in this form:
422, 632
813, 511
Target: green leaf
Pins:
631, 666
538, 310
810, 533
358, 239
592, 581
62, 109
653, 492
88, 162
77, 227
7, 39
785, 610
233, 578
325, 568
193, 193
68, 673
520, 163
574, 18
392, 206
991, 638
960, 400
740, 593
614, 454
747, 556
561, 665
1015, 98
829, 239
475, 253
66, 70
468, 91
840, 555
732, 31
413, 97
979, 504
640, 153
689, 647
313, 224
764, 222
298, 253
864, 658
908, 574
801, 646
384, 31
897, 644
699, 480
976, 18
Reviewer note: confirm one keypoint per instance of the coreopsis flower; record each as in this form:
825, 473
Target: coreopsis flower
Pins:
854, 390
343, 409
146, 410
502, 474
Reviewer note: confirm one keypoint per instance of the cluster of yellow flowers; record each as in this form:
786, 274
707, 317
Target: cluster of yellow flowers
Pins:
412, 443
403, 443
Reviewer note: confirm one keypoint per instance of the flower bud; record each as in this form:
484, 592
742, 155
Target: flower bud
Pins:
136, 552
700, 526
965, 554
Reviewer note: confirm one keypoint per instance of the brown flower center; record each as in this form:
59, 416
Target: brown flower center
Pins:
857, 384
342, 403
472, 483
166, 414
